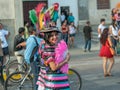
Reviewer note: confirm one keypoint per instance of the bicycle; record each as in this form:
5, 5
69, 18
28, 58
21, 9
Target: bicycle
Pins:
23, 78
5, 65
74, 79
20, 81
12, 66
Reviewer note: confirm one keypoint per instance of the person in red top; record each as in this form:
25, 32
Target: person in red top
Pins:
105, 52
64, 29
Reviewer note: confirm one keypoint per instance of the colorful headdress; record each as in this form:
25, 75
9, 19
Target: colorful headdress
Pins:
50, 29
41, 16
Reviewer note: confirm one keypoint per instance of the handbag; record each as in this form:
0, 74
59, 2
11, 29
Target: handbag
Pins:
112, 50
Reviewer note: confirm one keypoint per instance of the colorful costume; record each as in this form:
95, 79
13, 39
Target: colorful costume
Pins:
41, 16
48, 79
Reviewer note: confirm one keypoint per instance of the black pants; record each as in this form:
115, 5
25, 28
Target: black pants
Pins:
1, 70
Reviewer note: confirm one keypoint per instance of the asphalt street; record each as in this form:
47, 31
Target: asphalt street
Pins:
89, 66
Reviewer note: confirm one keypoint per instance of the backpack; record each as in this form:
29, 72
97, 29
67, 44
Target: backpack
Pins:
34, 51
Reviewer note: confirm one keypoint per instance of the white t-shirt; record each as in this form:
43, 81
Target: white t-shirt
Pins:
101, 27
3, 38
72, 30
114, 30
62, 18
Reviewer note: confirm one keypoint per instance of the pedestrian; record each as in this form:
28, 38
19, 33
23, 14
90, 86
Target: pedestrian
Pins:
30, 44
101, 27
19, 51
87, 35
117, 17
64, 34
50, 76
72, 33
70, 18
105, 52
113, 12
113, 29
1, 64
26, 26
4, 34
62, 17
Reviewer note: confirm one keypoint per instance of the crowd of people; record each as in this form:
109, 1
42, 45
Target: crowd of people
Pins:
48, 39
68, 29
109, 38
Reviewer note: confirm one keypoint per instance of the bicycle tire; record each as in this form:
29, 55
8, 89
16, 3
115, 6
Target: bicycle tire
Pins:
74, 79
4, 68
27, 85
15, 67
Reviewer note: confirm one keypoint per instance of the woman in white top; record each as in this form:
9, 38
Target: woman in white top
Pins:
72, 32
114, 33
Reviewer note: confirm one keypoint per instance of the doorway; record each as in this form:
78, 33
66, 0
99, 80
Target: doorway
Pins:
28, 5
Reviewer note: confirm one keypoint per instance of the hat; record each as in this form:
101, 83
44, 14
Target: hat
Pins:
50, 29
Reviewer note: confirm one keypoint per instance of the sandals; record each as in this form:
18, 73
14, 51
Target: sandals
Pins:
107, 75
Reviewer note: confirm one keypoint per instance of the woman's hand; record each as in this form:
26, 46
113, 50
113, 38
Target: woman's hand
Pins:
67, 57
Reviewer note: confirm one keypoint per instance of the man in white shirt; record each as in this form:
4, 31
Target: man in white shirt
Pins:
101, 27
62, 18
3, 36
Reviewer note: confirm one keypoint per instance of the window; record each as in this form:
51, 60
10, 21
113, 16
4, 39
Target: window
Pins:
103, 4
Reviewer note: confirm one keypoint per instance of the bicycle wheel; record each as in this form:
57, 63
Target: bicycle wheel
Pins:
26, 85
15, 67
5, 67
74, 79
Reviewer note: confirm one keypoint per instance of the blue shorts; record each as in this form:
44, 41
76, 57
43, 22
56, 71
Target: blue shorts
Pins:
5, 51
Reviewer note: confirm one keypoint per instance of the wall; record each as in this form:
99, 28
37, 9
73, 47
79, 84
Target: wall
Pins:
11, 16
7, 9
95, 15
18, 15
83, 9
73, 7
7, 18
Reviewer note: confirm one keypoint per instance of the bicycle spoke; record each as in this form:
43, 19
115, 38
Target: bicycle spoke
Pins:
21, 84
74, 80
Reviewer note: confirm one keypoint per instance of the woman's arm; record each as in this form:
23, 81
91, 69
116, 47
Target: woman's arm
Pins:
54, 66
109, 40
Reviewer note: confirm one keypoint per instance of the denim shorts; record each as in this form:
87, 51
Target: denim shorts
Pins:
5, 51
72, 35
